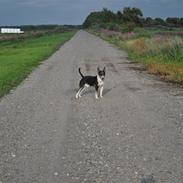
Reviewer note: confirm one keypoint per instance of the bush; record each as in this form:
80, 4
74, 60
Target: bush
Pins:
174, 53
112, 26
128, 27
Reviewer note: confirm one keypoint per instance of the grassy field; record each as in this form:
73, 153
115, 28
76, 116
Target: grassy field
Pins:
19, 57
161, 51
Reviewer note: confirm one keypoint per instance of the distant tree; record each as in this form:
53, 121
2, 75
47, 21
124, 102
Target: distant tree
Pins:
159, 21
92, 19
108, 15
148, 21
129, 18
142, 21
181, 21
132, 15
100, 17
120, 16
173, 21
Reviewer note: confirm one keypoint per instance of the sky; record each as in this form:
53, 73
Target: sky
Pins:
33, 12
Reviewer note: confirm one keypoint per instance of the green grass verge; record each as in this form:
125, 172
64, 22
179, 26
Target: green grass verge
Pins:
19, 58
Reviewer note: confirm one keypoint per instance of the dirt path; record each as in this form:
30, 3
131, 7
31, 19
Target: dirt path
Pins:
133, 135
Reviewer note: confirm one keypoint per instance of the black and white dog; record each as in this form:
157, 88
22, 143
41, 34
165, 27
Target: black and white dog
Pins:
95, 81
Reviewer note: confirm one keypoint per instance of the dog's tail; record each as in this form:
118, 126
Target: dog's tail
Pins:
80, 72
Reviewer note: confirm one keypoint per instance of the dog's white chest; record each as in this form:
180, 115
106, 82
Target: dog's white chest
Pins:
100, 82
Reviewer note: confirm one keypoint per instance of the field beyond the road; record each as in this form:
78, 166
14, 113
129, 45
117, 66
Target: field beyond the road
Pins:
19, 57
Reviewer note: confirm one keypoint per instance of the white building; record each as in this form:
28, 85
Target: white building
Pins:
11, 31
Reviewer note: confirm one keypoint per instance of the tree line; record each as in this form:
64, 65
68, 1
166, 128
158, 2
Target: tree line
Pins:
129, 16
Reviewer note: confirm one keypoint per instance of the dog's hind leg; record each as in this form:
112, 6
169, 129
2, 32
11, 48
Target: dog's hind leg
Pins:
83, 90
78, 93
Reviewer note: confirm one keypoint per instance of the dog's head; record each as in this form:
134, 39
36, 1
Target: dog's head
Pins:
101, 73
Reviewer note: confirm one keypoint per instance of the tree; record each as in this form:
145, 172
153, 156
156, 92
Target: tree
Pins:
148, 21
132, 15
120, 16
100, 17
159, 21
108, 16
181, 21
174, 21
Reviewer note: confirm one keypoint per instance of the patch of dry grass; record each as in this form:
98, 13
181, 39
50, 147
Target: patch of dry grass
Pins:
138, 45
170, 72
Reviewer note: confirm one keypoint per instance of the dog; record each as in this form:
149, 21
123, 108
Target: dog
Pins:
96, 81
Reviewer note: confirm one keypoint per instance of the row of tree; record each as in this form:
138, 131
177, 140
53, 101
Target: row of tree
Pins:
170, 21
129, 15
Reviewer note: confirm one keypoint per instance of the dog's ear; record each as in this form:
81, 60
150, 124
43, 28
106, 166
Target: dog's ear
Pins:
98, 69
104, 69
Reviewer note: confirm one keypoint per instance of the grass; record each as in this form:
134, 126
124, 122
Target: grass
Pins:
162, 54
18, 58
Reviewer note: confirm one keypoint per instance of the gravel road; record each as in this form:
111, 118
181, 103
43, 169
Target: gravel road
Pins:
133, 135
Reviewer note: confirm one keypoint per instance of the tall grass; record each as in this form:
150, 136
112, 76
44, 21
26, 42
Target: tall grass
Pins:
19, 58
162, 54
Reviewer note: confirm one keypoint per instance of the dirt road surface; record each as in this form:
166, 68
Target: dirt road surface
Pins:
133, 135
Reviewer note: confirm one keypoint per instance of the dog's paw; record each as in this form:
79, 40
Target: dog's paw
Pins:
96, 95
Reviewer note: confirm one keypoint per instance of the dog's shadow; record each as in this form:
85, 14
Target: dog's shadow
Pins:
107, 90
88, 91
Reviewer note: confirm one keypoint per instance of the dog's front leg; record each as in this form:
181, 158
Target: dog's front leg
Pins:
101, 91
96, 92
